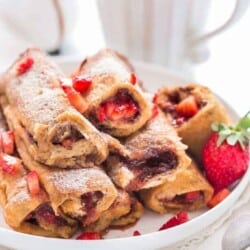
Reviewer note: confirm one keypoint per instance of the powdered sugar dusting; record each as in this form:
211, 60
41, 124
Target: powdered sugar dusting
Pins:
21, 193
110, 66
80, 180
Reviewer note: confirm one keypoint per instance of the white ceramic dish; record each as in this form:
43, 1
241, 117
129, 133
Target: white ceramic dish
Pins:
153, 77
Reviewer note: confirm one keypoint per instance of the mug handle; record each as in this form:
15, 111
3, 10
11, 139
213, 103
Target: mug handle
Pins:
200, 55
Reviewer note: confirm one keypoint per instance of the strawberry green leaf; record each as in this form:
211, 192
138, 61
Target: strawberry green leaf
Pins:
233, 138
244, 123
221, 139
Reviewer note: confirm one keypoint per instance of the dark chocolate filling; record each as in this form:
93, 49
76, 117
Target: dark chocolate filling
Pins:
154, 162
66, 131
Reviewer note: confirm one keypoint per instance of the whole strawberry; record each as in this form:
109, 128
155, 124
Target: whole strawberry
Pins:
226, 154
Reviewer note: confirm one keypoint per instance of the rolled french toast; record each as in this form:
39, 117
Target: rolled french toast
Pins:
124, 211
82, 193
115, 103
56, 134
191, 109
189, 191
24, 211
153, 155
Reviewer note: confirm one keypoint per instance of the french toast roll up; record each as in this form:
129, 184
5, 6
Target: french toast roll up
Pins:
115, 103
189, 191
191, 109
124, 211
24, 211
82, 194
154, 155
56, 134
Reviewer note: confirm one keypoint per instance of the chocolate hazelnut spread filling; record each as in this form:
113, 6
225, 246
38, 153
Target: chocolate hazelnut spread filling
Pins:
154, 162
66, 131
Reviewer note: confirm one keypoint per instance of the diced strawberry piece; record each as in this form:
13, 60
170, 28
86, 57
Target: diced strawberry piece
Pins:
115, 112
178, 121
219, 197
136, 233
9, 164
155, 111
67, 143
46, 214
133, 78
101, 115
33, 182
187, 107
81, 84
178, 219
155, 98
7, 142
75, 98
89, 236
192, 196
25, 66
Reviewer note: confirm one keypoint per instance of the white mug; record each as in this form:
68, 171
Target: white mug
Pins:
41, 23
167, 32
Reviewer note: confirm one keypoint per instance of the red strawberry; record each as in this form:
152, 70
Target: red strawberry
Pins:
25, 66
75, 98
225, 155
81, 84
33, 182
136, 233
219, 197
7, 142
89, 236
9, 164
187, 107
192, 196
154, 100
116, 111
155, 111
67, 143
178, 219
133, 78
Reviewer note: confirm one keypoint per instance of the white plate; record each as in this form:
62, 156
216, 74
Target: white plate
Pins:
153, 77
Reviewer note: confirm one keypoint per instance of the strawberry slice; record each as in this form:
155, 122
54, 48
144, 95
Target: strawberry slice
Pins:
219, 197
136, 233
154, 100
192, 196
155, 111
81, 84
89, 236
187, 107
178, 219
33, 182
67, 143
9, 164
114, 112
7, 142
75, 98
133, 78
25, 66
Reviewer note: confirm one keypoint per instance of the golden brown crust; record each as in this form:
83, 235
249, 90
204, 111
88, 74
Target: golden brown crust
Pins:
41, 107
109, 75
196, 131
160, 199
156, 137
